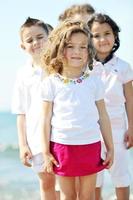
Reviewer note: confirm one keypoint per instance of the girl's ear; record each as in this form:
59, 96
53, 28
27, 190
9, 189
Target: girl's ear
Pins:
22, 46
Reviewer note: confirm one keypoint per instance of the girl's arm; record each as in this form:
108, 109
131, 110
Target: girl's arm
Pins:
106, 132
128, 91
46, 116
25, 153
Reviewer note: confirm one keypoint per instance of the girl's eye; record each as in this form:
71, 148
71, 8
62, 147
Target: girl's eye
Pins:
29, 41
69, 46
96, 36
83, 47
108, 33
40, 37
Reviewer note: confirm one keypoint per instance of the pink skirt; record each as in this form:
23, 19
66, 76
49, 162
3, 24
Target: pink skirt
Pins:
77, 160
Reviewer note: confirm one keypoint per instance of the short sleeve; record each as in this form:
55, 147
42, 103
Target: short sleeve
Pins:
47, 90
99, 89
127, 74
18, 98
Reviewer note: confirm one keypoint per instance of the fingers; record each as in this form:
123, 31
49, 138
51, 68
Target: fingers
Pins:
128, 139
26, 159
129, 145
108, 161
109, 164
49, 163
128, 142
48, 167
55, 162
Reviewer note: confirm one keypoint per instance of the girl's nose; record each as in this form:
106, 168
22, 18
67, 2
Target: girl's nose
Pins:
77, 50
35, 42
102, 38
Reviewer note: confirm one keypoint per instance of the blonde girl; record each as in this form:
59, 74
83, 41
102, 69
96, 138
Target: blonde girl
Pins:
73, 112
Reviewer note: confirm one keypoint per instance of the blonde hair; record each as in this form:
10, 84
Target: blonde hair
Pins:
81, 9
52, 57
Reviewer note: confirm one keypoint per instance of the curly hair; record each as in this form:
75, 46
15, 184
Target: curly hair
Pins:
76, 9
52, 57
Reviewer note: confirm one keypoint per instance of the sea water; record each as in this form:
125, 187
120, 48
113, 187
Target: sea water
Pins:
18, 182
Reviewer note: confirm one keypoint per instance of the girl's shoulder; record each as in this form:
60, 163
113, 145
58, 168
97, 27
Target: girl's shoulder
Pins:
121, 64
123, 69
48, 78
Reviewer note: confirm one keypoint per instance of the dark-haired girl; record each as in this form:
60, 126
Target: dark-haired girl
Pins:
117, 77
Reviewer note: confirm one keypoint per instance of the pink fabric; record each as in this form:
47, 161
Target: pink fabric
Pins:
77, 160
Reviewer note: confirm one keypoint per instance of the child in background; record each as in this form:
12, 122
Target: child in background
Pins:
77, 12
73, 113
117, 77
26, 103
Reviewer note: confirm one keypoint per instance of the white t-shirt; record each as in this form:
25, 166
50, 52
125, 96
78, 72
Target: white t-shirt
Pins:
26, 100
114, 75
75, 116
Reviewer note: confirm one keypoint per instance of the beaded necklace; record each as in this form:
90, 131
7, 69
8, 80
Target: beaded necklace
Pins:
73, 81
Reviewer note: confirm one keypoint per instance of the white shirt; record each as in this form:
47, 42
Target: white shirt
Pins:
114, 74
26, 100
75, 116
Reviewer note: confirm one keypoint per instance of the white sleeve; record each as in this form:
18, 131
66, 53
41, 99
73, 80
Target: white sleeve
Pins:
18, 98
99, 89
127, 74
47, 90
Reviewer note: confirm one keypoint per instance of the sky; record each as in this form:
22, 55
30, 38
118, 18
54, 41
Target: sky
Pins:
14, 13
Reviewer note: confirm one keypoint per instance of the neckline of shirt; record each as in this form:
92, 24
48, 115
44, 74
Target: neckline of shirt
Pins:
66, 80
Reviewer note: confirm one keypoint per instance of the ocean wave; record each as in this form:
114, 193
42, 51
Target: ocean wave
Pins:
9, 147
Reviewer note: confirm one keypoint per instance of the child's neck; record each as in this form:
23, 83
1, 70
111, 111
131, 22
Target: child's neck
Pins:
72, 73
36, 63
103, 58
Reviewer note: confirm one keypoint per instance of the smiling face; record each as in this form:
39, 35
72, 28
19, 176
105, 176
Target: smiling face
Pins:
76, 51
33, 40
103, 39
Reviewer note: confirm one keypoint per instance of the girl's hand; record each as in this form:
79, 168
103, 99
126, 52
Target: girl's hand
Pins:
25, 155
128, 138
49, 161
109, 159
